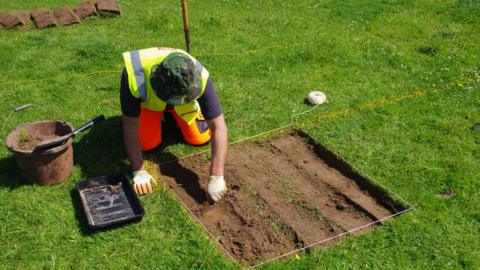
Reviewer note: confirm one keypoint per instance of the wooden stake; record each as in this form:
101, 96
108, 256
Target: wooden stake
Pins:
186, 23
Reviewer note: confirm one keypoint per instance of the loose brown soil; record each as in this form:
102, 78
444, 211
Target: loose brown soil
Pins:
108, 7
43, 18
284, 193
66, 16
85, 10
30, 142
9, 21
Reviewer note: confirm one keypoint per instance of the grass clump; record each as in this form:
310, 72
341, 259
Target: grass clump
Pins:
23, 137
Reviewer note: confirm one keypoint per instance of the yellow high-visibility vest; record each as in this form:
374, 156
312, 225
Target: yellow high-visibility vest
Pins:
139, 64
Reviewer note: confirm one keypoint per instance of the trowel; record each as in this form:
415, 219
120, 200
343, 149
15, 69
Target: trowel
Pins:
50, 143
208, 208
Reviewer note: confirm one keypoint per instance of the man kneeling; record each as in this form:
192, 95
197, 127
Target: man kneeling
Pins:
158, 80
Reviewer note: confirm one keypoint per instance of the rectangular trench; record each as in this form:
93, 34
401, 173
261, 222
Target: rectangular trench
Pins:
285, 192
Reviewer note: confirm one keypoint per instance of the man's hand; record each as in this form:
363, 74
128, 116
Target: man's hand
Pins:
142, 182
216, 187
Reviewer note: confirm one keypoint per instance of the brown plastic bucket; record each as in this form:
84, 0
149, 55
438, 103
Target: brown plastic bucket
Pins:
45, 167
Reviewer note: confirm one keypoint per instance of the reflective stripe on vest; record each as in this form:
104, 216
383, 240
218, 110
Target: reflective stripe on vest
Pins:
139, 65
139, 74
200, 67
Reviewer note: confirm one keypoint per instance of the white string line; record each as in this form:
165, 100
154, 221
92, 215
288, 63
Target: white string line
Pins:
262, 134
333, 237
185, 157
295, 116
49, 107
5, 122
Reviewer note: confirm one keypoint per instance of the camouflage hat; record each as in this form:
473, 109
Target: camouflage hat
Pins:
176, 80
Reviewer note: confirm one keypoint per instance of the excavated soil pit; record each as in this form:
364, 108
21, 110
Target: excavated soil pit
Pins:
285, 192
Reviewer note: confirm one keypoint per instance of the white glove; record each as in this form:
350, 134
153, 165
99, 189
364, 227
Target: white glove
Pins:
216, 187
142, 182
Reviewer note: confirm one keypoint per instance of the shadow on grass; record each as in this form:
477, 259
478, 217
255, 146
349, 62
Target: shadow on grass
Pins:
101, 152
185, 179
170, 165
10, 174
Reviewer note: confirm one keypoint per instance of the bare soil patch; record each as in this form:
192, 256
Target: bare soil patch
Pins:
284, 193
44, 18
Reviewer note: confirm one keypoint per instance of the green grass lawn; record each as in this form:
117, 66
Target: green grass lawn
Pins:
402, 79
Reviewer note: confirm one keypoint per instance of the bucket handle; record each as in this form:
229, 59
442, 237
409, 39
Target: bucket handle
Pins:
17, 109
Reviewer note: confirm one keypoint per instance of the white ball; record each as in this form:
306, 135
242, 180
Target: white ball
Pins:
316, 97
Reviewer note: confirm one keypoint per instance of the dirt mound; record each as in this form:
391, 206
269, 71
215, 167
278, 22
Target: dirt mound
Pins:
284, 193
108, 7
9, 21
85, 10
66, 16
44, 18
32, 141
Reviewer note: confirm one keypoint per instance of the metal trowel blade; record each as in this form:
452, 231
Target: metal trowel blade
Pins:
209, 208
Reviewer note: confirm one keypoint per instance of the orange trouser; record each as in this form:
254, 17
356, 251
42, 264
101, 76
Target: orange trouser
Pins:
150, 131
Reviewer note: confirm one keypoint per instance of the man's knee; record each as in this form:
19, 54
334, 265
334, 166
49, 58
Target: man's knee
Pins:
199, 139
197, 133
148, 144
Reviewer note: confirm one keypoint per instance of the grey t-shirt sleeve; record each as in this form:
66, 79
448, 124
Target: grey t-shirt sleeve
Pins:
209, 103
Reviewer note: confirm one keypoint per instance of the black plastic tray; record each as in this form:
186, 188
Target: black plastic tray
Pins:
109, 201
